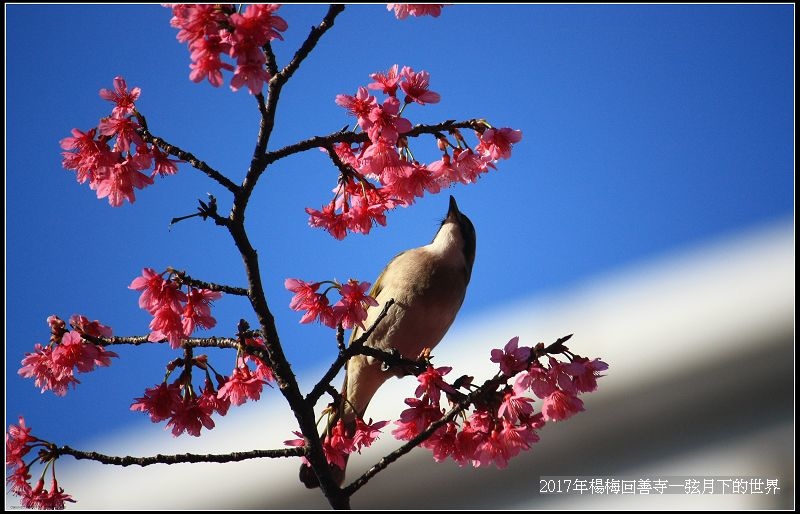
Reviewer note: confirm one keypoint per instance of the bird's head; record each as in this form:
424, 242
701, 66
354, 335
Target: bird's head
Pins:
457, 232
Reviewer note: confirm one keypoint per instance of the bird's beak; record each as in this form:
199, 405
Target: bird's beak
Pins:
452, 211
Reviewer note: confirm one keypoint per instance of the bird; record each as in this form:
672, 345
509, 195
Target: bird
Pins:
428, 285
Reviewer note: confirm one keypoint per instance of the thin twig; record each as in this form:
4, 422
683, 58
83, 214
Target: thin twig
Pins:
183, 278
311, 41
258, 164
177, 459
361, 137
171, 149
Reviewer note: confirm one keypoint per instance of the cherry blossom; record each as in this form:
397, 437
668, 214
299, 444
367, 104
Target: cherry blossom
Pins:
90, 328
241, 386
585, 373
19, 480
497, 143
117, 181
190, 416
386, 122
125, 131
431, 384
162, 164
415, 86
560, 405
511, 358
367, 433
159, 401
210, 401
122, 98
214, 30
351, 310
40, 366
403, 11
298, 443
386, 82
327, 218
73, 351
359, 105
415, 419
337, 445
18, 439
197, 312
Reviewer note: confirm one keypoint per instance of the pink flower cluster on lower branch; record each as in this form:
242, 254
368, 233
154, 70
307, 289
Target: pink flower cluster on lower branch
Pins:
503, 421
337, 445
19, 443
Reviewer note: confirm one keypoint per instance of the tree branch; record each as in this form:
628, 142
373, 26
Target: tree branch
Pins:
311, 41
361, 137
264, 129
194, 342
272, 62
176, 459
183, 278
319, 389
276, 83
184, 155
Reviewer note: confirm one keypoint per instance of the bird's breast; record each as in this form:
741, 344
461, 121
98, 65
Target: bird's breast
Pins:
428, 289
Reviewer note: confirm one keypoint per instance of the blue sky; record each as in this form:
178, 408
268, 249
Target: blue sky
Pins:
646, 129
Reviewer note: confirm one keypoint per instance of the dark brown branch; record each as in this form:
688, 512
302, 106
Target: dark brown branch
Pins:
393, 359
311, 41
356, 345
340, 337
183, 278
177, 459
264, 128
272, 62
344, 169
274, 356
276, 83
184, 155
194, 342
284, 376
361, 137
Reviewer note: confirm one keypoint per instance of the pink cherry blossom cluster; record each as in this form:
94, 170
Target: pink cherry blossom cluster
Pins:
186, 410
214, 30
19, 442
175, 314
114, 170
382, 173
337, 444
54, 365
503, 422
403, 11
350, 310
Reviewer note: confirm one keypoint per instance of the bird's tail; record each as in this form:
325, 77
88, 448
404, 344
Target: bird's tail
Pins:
348, 417
361, 381
307, 475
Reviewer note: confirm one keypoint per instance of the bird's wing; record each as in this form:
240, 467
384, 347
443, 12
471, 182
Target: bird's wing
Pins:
377, 287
